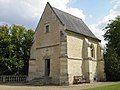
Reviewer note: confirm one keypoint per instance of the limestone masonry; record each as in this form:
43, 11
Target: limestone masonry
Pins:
64, 47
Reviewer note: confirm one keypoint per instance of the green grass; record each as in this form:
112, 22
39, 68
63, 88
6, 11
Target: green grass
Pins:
110, 87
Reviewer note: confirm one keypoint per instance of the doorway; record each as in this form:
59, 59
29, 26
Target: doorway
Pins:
47, 67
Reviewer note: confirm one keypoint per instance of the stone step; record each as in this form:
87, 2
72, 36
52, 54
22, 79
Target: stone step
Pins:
35, 84
40, 81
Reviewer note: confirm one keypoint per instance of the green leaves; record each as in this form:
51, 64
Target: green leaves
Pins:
15, 43
112, 55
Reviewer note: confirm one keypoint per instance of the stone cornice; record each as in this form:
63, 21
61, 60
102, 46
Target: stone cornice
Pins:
75, 58
46, 46
32, 59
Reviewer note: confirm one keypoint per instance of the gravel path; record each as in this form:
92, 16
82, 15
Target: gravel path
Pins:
72, 87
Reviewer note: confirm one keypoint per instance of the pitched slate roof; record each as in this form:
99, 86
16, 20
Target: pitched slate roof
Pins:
73, 23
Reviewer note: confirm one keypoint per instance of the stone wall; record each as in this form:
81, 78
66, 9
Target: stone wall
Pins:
70, 54
75, 55
47, 46
80, 59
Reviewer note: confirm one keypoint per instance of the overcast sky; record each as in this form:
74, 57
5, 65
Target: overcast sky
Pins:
95, 13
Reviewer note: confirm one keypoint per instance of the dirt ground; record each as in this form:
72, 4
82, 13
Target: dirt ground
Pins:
71, 87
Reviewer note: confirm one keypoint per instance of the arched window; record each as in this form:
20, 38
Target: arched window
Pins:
92, 54
92, 51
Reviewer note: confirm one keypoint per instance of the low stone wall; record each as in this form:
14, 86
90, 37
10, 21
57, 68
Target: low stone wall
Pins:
13, 78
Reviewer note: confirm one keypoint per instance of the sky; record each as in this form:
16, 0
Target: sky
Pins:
95, 13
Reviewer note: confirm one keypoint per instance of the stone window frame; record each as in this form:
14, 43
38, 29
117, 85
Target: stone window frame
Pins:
92, 48
47, 28
47, 25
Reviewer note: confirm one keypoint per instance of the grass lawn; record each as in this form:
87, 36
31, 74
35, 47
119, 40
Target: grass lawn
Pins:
110, 87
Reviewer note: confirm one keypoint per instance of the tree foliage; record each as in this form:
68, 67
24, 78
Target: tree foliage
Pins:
112, 55
15, 43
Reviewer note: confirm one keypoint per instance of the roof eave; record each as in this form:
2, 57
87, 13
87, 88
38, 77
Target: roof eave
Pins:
84, 35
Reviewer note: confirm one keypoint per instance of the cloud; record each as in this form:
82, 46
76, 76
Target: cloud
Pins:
97, 28
28, 12
76, 12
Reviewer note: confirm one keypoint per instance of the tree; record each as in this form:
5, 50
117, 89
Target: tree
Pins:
112, 55
15, 43
26, 45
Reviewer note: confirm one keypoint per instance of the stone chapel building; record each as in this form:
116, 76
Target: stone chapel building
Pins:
64, 47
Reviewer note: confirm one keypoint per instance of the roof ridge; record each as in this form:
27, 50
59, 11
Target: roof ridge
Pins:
67, 13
